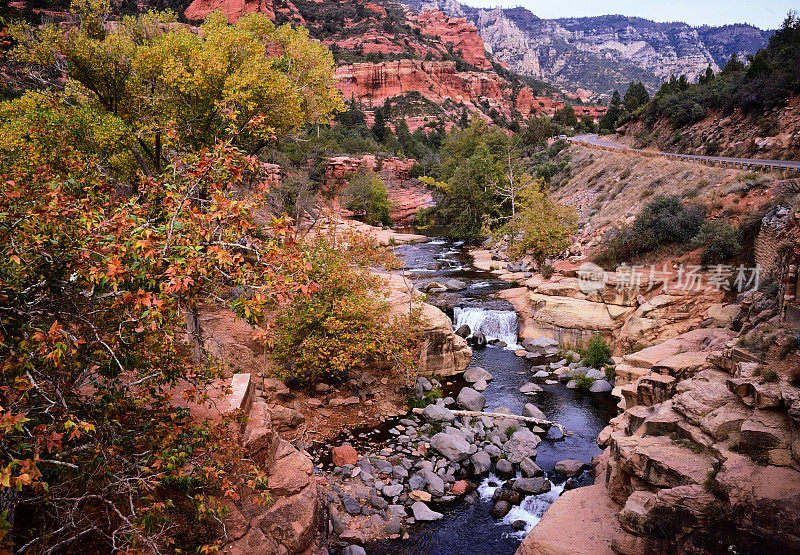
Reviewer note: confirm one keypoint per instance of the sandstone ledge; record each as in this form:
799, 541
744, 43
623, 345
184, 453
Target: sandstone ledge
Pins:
581, 521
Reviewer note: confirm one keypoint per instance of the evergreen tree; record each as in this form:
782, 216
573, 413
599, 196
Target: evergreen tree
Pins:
636, 96
609, 119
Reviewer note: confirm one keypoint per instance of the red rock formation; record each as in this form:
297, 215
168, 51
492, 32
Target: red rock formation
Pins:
235, 9
340, 167
437, 81
456, 31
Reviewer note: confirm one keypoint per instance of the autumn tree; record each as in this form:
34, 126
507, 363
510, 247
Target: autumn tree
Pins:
99, 446
544, 226
167, 88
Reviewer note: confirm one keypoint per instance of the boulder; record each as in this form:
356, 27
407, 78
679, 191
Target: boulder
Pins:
469, 399
451, 446
478, 339
481, 463
423, 513
435, 485
500, 509
601, 386
570, 467
522, 444
532, 411
504, 469
532, 486
530, 469
475, 374
344, 454
455, 285
463, 331
437, 413
530, 389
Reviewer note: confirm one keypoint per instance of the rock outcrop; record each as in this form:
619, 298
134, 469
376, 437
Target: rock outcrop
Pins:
704, 459
443, 352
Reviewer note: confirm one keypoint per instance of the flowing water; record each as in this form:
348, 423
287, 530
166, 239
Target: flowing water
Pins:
468, 528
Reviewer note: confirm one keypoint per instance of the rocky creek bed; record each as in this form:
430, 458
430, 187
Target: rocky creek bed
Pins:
448, 483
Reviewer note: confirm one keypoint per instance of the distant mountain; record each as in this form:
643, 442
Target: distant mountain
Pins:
600, 54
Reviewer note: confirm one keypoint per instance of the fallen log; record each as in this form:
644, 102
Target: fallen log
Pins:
528, 419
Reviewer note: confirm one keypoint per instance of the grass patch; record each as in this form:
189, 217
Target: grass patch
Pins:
510, 431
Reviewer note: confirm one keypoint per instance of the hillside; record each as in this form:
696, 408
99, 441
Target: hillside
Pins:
600, 54
748, 109
434, 66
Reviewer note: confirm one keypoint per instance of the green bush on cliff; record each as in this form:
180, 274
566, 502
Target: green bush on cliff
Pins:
597, 352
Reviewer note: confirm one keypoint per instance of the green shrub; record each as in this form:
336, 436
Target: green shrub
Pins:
510, 431
547, 271
611, 372
721, 241
367, 197
584, 381
597, 352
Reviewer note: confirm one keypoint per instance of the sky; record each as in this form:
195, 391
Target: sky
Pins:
766, 14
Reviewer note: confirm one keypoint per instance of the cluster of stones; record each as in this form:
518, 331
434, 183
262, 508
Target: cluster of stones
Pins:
437, 458
557, 369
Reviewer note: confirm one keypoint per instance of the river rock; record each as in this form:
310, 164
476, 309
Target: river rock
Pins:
532, 486
463, 331
530, 469
416, 482
469, 399
504, 469
522, 444
436, 413
419, 495
542, 346
353, 550
476, 373
435, 484
500, 509
480, 385
601, 386
532, 411
481, 463
351, 504
530, 389
507, 494
455, 285
423, 513
393, 490
570, 467
478, 339
451, 446
542, 374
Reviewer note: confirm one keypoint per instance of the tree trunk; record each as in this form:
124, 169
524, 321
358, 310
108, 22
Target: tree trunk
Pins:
194, 334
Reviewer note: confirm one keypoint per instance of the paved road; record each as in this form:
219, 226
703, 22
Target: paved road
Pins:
753, 163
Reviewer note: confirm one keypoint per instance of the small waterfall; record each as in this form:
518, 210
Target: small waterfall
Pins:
530, 510
494, 324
